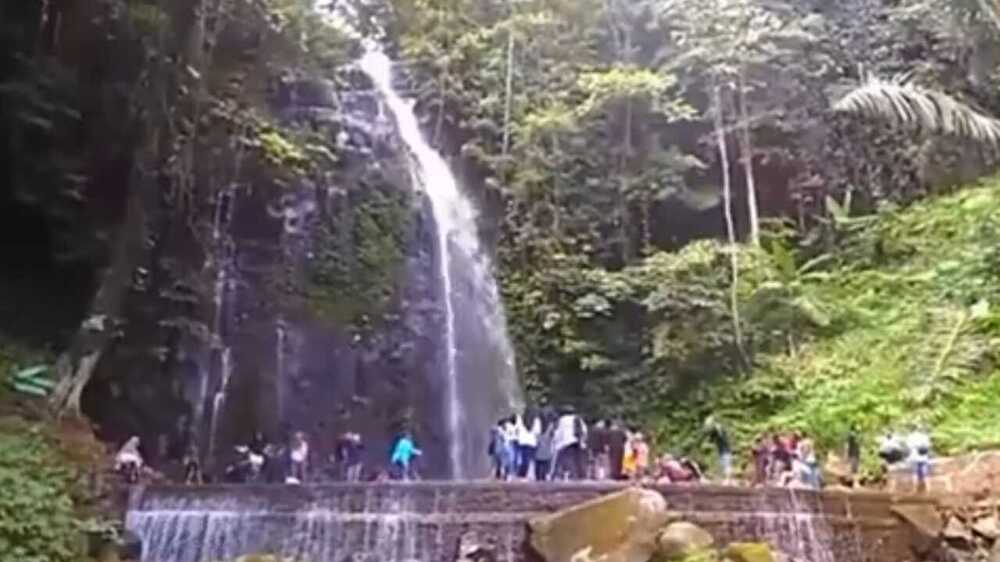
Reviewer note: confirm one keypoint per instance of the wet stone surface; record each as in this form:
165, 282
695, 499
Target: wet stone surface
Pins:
426, 521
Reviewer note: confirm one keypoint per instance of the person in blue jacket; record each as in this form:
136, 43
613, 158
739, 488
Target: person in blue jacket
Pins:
403, 453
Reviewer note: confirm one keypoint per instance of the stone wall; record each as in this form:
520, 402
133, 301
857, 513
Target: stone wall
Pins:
424, 521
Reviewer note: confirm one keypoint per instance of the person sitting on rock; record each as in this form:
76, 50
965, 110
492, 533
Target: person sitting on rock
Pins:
672, 471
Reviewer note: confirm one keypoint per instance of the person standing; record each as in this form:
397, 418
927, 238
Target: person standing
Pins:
617, 437
807, 455
569, 443
597, 445
853, 454
527, 431
718, 435
761, 454
298, 457
495, 450
641, 450
348, 456
919, 444
192, 466
630, 458
403, 454
544, 453
508, 448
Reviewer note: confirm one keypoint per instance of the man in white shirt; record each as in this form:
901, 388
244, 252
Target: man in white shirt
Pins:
569, 441
919, 443
527, 433
298, 455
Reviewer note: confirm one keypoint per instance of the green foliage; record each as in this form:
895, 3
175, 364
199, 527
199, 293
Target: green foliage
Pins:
358, 257
37, 518
277, 150
897, 325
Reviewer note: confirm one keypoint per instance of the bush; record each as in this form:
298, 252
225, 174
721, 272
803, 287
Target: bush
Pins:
37, 517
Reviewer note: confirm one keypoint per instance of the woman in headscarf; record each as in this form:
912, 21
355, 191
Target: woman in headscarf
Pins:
128, 460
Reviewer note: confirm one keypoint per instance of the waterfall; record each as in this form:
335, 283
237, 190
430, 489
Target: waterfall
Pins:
219, 401
426, 521
223, 250
474, 396
334, 524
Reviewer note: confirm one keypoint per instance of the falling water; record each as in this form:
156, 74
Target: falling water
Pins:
280, 340
469, 403
222, 250
333, 524
219, 401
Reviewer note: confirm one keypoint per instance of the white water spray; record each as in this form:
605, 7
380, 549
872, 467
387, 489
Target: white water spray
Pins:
455, 221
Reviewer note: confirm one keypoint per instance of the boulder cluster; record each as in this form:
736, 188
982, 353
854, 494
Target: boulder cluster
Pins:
632, 526
959, 530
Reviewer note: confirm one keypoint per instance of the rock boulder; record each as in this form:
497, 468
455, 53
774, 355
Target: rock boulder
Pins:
925, 525
748, 552
681, 540
620, 527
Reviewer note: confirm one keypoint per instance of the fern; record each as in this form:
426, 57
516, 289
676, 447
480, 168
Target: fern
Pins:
903, 103
952, 352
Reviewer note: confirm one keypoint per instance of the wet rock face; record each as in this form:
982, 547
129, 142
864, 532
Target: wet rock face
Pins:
233, 332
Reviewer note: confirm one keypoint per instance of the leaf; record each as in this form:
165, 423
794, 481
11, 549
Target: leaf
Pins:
900, 102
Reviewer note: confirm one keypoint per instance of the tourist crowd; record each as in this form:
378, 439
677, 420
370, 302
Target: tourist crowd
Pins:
560, 445
556, 445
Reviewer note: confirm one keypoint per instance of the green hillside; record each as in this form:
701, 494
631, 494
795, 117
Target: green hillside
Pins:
913, 334
897, 322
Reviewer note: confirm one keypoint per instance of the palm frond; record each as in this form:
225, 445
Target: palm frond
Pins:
907, 104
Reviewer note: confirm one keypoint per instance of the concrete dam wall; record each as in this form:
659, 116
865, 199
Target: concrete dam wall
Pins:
409, 522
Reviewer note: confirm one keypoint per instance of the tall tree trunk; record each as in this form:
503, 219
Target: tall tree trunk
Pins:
628, 252
76, 365
747, 149
727, 210
509, 90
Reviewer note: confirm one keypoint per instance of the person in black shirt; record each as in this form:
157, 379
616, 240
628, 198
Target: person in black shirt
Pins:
348, 455
718, 435
616, 439
854, 453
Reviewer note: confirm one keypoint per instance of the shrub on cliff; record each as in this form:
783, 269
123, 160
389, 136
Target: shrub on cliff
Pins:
37, 517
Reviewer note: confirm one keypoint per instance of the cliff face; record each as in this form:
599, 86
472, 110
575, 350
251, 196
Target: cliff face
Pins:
314, 306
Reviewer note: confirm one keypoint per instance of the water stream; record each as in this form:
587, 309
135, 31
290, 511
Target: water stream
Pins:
223, 252
476, 388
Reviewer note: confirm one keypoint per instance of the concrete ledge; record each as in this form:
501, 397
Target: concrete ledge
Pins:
323, 523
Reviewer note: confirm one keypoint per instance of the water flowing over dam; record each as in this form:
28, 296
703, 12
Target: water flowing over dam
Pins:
424, 522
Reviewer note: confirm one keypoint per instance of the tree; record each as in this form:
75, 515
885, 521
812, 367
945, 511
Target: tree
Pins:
904, 103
